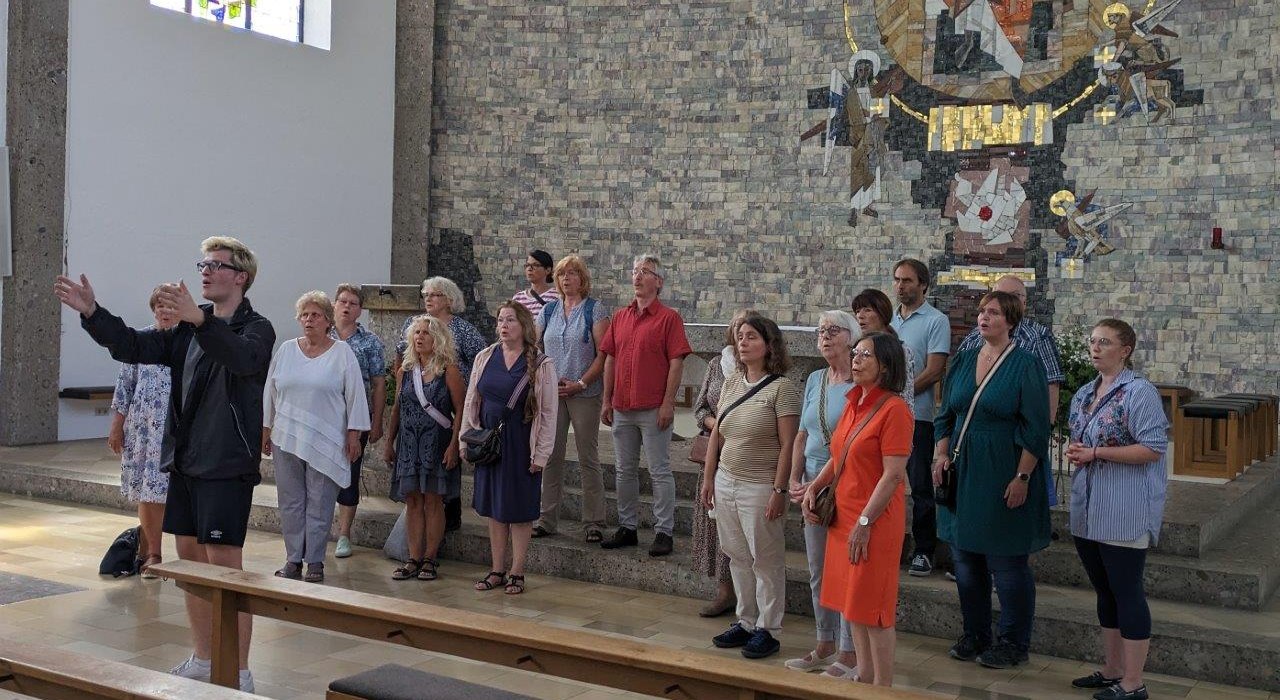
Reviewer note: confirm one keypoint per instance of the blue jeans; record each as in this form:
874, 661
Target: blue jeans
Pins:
1015, 586
830, 623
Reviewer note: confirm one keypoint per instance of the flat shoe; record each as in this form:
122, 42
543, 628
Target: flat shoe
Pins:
811, 661
839, 670
1094, 680
717, 608
540, 531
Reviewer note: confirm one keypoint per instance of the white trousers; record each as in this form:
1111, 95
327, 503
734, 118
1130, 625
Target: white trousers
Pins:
756, 548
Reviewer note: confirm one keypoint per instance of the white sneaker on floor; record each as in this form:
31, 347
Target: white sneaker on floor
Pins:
246, 680
811, 661
343, 548
839, 670
193, 668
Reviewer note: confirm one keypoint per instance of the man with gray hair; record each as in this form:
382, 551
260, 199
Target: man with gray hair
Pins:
644, 349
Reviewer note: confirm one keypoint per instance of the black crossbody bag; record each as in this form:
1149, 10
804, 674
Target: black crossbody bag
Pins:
944, 494
483, 446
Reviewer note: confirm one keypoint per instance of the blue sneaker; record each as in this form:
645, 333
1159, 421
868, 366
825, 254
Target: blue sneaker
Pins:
762, 644
733, 637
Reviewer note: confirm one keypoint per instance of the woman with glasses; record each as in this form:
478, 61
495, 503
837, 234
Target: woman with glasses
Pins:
1119, 436
313, 411
824, 402
538, 269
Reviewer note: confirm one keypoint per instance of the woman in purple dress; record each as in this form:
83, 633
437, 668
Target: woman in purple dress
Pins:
514, 385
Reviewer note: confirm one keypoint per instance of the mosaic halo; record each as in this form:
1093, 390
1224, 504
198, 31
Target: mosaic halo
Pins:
1060, 200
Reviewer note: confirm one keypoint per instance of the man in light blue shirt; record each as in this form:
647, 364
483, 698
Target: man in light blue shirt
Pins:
927, 332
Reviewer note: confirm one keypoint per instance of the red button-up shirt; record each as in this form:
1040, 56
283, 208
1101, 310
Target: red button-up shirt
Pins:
642, 344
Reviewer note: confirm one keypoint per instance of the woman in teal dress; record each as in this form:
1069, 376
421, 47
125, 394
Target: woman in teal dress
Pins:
1001, 513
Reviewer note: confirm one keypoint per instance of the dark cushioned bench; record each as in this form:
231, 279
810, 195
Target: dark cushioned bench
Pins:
1225, 436
396, 682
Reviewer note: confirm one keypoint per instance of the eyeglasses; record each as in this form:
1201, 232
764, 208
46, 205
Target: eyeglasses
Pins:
215, 265
1099, 342
864, 354
530, 266
433, 295
642, 271
830, 331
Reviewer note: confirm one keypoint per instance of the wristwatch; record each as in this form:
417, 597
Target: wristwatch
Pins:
780, 491
864, 521
1024, 477
582, 384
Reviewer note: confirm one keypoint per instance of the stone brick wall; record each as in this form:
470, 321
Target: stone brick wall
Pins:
613, 128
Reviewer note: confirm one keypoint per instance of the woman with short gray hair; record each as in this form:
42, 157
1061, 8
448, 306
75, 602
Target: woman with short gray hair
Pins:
824, 403
313, 411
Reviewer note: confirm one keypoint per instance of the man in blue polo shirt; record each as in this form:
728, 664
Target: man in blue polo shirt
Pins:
927, 332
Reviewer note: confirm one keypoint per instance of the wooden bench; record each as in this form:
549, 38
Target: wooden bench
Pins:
57, 674
88, 393
580, 655
1222, 437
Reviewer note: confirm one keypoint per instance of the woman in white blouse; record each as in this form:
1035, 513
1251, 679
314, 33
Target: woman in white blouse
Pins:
313, 410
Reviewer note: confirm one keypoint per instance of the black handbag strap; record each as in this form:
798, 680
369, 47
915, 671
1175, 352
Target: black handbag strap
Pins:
751, 392
524, 381
536, 296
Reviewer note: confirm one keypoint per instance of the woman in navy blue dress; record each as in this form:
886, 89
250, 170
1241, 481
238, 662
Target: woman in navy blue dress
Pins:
422, 451
508, 493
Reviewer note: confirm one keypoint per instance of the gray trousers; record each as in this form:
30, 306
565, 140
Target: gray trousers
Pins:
584, 414
829, 622
307, 499
633, 430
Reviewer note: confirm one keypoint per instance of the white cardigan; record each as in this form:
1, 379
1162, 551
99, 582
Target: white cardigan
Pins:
542, 437
310, 403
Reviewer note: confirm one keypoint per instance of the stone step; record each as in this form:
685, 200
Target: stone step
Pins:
1197, 516
1243, 573
1211, 644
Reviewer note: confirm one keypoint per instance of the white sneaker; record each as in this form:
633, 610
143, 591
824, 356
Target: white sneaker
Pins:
246, 681
343, 548
811, 661
193, 668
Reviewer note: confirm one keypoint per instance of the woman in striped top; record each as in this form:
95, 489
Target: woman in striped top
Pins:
745, 482
1118, 444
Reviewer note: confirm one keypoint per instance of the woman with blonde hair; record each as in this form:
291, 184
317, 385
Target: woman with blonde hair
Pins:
513, 389
423, 452
313, 411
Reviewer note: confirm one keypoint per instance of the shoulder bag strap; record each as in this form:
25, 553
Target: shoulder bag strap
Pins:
752, 392
853, 435
440, 418
535, 295
955, 449
524, 381
822, 410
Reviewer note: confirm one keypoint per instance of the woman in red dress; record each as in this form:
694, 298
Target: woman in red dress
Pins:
864, 542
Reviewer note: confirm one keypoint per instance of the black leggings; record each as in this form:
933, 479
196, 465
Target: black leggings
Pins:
1116, 575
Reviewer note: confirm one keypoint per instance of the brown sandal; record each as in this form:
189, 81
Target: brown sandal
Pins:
515, 584
409, 569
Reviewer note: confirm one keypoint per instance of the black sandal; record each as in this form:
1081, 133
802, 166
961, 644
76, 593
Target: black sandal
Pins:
485, 584
515, 585
594, 536
407, 570
428, 570
540, 531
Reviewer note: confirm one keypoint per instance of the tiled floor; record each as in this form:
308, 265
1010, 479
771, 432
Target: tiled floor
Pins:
143, 623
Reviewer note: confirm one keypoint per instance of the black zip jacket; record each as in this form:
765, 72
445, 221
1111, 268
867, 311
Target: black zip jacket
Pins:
218, 433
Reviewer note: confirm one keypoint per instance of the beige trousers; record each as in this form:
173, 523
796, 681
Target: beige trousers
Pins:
584, 415
756, 548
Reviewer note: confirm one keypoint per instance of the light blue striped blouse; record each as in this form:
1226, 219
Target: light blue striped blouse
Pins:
1112, 502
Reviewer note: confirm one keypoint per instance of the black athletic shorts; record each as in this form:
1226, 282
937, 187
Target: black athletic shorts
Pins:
214, 511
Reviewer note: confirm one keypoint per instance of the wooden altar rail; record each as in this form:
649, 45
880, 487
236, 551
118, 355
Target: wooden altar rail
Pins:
580, 655
36, 671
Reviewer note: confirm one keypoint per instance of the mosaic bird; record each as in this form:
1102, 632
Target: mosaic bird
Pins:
1084, 222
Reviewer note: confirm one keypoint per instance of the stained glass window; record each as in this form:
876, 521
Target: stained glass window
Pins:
282, 19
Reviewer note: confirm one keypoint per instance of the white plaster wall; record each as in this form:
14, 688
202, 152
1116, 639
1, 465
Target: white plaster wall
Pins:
178, 129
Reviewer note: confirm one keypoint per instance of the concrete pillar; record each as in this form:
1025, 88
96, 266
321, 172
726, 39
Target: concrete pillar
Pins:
37, 126
411, 174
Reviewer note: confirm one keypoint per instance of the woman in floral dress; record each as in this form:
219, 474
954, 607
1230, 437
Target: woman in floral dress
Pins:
139, 410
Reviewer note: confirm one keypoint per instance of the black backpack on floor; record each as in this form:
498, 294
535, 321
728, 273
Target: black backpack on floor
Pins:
121, 558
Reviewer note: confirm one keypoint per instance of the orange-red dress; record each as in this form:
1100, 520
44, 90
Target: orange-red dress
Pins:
866, 593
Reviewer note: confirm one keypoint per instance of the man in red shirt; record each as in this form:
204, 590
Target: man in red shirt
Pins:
644, 349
